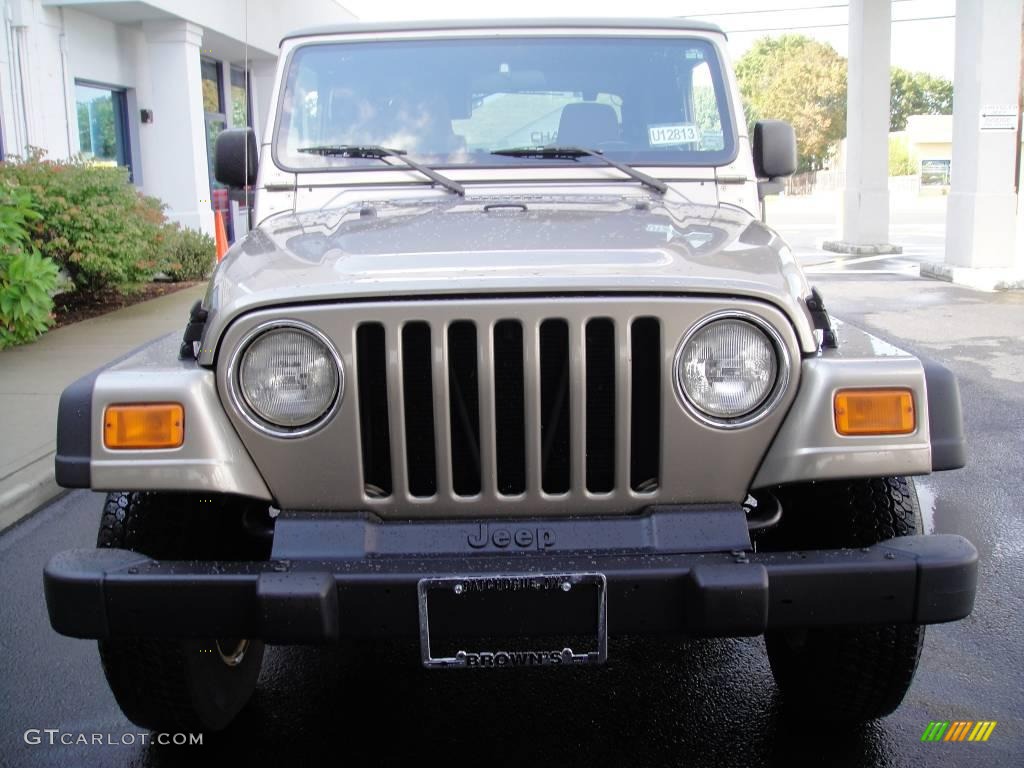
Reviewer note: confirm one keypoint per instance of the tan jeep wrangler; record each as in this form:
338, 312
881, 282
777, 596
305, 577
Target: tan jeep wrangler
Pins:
509, 364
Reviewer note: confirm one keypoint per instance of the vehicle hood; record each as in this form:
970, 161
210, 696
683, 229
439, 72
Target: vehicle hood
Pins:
496, 246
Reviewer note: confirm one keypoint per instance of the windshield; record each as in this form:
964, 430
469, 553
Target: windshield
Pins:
451, 102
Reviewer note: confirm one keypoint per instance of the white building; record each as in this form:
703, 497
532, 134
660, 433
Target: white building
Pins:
145, 84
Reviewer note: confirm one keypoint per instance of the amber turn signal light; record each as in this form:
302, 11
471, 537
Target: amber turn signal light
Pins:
149, 425
874, 412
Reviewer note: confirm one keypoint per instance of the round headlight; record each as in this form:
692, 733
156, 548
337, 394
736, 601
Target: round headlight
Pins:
727, 369
290, 377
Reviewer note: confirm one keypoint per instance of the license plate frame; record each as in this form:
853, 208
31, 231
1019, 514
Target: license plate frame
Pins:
464, 659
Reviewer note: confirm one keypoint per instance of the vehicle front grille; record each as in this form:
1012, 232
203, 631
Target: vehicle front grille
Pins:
509, 410
517, 406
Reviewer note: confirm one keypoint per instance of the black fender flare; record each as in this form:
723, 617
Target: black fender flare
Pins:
945, 417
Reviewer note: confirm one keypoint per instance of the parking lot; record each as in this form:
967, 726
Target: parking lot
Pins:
658, 702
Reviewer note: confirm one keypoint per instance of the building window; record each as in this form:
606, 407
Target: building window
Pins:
213, 94
226, 104
103, 124
241, 106
216, 119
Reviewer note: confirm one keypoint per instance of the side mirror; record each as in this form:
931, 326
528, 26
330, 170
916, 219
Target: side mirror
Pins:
235, 157
774, 150
774, 157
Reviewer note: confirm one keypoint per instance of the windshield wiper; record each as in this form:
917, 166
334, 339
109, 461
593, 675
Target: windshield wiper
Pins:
575, 153
373, 152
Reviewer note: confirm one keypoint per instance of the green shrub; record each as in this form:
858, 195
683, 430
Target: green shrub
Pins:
92, 222
901, 161
16, 214
188, 254
27, 279
26, 307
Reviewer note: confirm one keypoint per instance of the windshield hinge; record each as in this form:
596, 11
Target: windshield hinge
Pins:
193, 332
821, 321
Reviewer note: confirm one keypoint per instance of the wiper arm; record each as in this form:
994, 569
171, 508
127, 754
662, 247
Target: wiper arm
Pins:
575, 153
373, 152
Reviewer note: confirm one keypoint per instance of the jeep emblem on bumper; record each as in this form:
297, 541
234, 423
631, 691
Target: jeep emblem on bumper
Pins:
523, 538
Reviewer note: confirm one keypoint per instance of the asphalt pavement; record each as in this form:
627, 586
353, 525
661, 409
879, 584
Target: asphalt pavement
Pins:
658, 702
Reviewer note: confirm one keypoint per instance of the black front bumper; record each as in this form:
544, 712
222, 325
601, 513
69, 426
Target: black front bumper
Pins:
687, 570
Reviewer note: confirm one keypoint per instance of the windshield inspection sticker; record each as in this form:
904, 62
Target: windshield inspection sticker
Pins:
672, 134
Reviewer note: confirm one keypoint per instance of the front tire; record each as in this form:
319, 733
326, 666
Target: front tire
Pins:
846, 673
173, 685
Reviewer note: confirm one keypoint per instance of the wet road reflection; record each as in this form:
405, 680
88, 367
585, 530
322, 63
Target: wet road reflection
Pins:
700, 703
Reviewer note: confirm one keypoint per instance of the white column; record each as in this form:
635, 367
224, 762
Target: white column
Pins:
981, 225
174, 144
865, 223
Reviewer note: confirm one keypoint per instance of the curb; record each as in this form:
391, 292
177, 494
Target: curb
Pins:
980, 279
27, 489
841, 246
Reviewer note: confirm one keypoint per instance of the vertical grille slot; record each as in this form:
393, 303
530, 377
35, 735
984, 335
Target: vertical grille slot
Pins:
509, 407
600, 440
374, 430
554, 406
419, 409
645, 437
464, 408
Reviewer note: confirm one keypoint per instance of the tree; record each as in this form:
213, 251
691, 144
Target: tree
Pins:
917, 93
801, 81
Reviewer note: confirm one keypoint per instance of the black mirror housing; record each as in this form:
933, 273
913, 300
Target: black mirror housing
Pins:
235, 157
774, 149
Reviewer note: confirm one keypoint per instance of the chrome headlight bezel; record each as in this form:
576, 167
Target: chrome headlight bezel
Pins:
241, 403
767, 404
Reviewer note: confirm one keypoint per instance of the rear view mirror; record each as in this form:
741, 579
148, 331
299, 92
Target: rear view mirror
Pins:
235, 157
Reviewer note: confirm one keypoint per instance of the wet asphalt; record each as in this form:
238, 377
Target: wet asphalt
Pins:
658, 702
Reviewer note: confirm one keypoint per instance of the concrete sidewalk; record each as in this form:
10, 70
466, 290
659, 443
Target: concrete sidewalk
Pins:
33, 376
